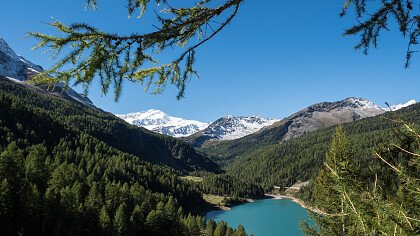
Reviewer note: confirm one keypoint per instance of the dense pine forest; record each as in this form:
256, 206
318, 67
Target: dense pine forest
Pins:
71, 170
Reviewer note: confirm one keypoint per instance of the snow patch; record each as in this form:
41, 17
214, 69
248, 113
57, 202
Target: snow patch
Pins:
33, 70
14, 80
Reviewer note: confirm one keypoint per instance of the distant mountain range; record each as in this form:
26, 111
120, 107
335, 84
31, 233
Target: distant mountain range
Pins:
17, 69
317, 116
305, 122
226, 128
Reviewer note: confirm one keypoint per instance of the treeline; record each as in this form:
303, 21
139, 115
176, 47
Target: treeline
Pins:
226, 185
58, 179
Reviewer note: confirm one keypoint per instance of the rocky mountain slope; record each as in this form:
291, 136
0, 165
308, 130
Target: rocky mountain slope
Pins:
162, 123
230, 128
17, 69
326, 114
315, 117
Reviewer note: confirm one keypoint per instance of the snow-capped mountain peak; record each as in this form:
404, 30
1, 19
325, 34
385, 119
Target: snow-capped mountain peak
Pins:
160, 122
17, 69
15, 66
400, 106
230, 128
234, 127
362, 103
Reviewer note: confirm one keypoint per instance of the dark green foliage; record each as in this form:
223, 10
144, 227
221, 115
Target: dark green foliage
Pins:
220, 229
329, 199
226, 185
64, 171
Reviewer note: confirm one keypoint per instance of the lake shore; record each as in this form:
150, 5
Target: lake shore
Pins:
272, 196
266, 216
296, 200
216, 202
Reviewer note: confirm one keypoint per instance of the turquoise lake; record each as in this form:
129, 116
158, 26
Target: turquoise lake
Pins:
268, 217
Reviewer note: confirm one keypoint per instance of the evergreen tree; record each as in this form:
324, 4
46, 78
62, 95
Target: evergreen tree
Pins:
105, 220
221, 229
35, 168
211, 226
136, 219
229, 231
121, 220
240, 231
329, 195
6, 207
374, 206
13, 186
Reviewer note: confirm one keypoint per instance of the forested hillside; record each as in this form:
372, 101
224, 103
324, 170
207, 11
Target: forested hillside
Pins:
71, 170
287, 162
105, 127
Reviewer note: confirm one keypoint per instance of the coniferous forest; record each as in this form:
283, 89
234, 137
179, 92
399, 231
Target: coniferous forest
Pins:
59, 174
69, 168
64, 171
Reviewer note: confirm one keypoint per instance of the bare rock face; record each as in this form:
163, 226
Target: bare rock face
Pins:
326, 114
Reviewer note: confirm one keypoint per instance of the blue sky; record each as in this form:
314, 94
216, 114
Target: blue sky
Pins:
276, 58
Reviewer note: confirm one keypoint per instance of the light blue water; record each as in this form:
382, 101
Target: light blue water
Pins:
268, 217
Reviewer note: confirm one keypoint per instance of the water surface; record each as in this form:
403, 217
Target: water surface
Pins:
268, 217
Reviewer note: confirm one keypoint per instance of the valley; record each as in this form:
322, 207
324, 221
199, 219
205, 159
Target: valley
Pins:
69, 167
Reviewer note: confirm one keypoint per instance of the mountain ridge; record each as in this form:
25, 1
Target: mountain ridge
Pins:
19, 70
235, 127
312, 118
230, 128
225, 128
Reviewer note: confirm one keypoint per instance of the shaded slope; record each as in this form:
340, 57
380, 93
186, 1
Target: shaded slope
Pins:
104, 126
